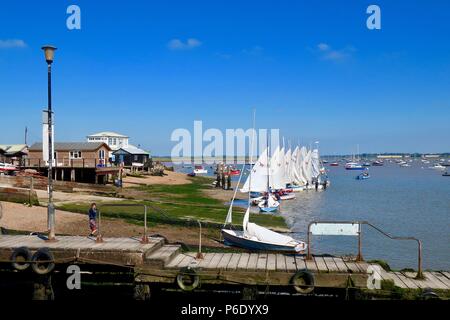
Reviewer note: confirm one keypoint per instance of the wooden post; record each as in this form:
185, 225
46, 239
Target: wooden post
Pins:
249, 293
42, 288
141, 291
31, 192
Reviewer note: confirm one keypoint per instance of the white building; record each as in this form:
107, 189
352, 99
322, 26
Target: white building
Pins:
114, 140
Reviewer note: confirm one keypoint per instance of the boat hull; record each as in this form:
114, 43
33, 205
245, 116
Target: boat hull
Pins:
287, 196
268, 209
237, 239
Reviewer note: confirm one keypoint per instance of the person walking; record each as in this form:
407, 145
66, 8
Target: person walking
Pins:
93, 219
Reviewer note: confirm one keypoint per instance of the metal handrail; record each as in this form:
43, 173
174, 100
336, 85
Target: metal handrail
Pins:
144, 238
359, 257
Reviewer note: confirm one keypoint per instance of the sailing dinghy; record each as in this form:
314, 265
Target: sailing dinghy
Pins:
253, 236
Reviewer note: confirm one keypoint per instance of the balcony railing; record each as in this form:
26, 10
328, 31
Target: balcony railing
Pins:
67, 163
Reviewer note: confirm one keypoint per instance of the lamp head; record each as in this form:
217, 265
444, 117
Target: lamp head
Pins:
49, 52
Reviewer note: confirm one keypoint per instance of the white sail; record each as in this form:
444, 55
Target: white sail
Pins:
245, 220
268, 236
295, 167
307, 168
258, 175
315, 164
288, 167
277, 172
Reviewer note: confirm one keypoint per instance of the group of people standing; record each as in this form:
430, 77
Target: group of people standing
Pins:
223, 176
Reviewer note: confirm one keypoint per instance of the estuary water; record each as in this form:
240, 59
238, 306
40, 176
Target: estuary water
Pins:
410, 201
402, 201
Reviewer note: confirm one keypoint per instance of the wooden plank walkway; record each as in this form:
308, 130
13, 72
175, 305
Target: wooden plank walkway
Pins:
122, 251
156, 255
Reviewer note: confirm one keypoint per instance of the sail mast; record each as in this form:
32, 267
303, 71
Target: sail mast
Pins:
251, 159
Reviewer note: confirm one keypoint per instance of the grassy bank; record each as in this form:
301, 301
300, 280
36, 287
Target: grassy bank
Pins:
175, 204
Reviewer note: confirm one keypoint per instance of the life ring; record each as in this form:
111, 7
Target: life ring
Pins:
193, 282
303, 282
47, 265
23, 253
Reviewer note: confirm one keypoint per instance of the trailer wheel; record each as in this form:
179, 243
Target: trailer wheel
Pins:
303, 282
43, 261
187, 279
19, 258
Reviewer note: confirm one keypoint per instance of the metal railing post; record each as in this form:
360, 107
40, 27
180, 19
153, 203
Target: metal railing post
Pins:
419, 259
359, 257
309, 256
144, 237
99, 238
199, 253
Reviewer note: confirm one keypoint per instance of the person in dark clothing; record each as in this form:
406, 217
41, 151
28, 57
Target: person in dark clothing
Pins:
93, 219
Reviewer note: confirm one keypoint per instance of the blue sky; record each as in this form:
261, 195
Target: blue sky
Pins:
310, 68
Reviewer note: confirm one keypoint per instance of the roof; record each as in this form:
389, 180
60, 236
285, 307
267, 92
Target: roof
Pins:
131, 150
72, 146
108, 134
13, 148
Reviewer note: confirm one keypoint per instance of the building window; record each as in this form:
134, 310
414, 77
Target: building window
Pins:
110, 141
136, 157
101, 154
114, 141
75, 154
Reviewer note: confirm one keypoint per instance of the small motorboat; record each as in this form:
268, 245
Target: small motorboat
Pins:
295, 188
353, 166
405, 165
200, 170
285, 194
438, 167
377, 163
334, 164
235, 172
363, 175
366, 164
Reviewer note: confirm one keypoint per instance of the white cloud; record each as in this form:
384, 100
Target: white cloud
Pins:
12, 43
326, 52
254, 51
323, 47
177, 44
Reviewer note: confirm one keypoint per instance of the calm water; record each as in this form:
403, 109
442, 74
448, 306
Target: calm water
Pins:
408, 201
412, 201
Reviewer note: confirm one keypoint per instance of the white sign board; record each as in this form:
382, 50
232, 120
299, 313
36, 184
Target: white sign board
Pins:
335, 229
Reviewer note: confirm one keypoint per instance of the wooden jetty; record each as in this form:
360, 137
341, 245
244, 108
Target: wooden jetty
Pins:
162, 264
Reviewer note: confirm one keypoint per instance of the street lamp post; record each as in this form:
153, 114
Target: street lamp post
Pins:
49, 54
